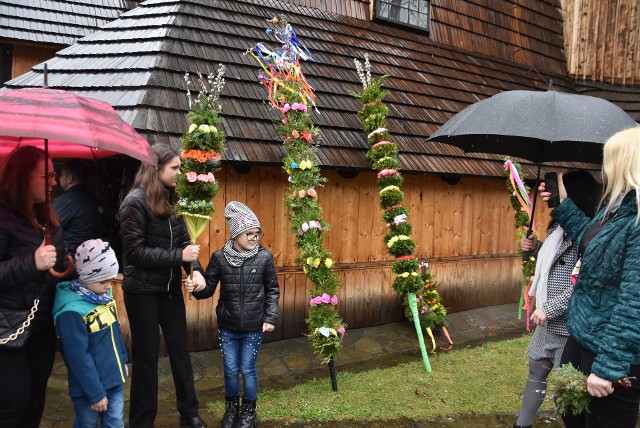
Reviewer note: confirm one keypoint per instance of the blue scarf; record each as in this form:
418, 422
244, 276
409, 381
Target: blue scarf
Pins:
89, 295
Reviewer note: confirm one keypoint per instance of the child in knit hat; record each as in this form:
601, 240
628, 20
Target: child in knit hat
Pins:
248, 307
86, 321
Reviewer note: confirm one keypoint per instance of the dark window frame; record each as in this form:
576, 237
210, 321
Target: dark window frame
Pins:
402, 13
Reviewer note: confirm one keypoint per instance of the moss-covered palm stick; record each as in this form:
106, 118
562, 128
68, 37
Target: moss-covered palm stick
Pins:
383, 155
291, 95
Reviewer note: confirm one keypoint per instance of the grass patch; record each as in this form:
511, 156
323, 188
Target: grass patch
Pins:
484, 380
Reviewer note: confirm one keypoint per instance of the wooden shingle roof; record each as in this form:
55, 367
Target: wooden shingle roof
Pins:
137, 64
57, 22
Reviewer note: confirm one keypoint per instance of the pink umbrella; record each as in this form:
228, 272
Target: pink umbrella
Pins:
75, 126
66, 125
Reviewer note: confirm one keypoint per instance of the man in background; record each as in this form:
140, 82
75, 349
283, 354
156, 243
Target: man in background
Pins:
77, 208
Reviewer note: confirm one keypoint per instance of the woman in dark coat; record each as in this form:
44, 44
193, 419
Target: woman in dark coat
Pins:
24, 261
156, 247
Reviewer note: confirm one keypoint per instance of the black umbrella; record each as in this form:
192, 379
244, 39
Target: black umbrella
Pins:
540, 126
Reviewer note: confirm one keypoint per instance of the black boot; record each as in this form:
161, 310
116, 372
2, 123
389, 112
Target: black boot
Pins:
231, 412
248, 417
194, 422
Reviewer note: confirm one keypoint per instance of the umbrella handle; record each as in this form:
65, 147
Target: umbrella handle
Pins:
70, 261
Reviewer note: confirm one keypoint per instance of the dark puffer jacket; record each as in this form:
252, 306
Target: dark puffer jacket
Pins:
249, 294
152, 247
604, 312
19, 278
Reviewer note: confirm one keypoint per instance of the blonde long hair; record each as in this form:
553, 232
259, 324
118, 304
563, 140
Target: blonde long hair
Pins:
621, 169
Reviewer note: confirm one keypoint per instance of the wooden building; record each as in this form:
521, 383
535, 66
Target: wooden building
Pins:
460, 209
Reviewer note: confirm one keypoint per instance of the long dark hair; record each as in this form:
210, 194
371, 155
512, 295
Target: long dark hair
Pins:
583, 190
15, 181
159, 199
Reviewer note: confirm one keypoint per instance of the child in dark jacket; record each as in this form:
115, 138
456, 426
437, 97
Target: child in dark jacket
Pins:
248, 306
87, 323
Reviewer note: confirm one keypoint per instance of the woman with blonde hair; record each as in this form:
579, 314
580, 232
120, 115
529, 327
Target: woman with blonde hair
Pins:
603, 316
24, 262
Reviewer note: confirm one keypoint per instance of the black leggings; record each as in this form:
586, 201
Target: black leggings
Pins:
617, 410
23, 380
145, 313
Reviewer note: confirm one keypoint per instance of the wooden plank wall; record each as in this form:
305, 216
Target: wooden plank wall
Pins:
26, 56
465, 230
602, 40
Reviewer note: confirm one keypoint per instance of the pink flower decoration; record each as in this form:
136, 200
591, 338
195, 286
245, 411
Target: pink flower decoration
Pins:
203, 178
325, 298
295, 133
334, 300
306, 136
305, 227
191, 176
212, 178
286, 107
315, 301
341, 330
381, 143
376, 132
386, 172
312, 192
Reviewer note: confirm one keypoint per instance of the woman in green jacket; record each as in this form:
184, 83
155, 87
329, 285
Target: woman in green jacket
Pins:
603, 316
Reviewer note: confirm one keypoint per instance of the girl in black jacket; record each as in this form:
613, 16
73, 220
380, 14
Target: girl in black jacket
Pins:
156, 246
248, 306
24, 261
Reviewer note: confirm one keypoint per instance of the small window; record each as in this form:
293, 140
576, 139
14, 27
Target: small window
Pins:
411, 13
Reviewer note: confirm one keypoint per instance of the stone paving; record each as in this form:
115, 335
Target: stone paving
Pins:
286, 363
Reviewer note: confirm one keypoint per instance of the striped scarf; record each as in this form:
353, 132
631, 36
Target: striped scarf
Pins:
235, 257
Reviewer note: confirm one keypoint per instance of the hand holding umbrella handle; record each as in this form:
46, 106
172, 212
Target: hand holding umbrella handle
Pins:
70, 262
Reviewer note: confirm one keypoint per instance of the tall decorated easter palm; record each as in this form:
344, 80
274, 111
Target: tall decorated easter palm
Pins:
383, 155
202, 147
291, 95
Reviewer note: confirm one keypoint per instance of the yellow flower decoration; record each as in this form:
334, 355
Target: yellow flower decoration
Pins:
192, 128
328, 263
204, 129
309, 260
316, 263
389, 188
305, 164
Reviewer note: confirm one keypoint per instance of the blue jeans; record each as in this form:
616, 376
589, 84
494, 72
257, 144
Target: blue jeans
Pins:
112, 418
239, 355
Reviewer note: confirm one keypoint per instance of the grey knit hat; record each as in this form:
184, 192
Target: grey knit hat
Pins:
240, 218
96, 261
